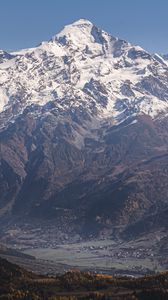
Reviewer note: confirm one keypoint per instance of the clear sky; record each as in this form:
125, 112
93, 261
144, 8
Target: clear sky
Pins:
25, 23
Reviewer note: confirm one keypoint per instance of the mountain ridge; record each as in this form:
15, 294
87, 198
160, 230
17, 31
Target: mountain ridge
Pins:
73, 62
83, 134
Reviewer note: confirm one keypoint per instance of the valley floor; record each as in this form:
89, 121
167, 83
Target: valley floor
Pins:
101, 256
135, 258
56, 252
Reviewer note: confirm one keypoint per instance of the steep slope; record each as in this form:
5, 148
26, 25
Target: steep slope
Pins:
165, 56
84, 66
83, 138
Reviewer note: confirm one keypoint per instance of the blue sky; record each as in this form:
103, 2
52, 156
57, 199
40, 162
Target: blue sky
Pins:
25, 23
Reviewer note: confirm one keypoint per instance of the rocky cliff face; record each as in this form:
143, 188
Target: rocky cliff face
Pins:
83, 137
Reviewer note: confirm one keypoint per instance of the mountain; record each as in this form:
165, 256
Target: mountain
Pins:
84, 135
84, 66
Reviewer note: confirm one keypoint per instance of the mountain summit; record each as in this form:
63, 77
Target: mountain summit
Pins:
81, 33
83, 134
91, 68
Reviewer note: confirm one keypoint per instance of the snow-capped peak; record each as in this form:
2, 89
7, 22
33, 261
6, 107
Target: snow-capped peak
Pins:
85, 66
78, 34
82, 25
82, 22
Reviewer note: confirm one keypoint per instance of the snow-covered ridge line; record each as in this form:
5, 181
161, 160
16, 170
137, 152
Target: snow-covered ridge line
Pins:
83, 66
